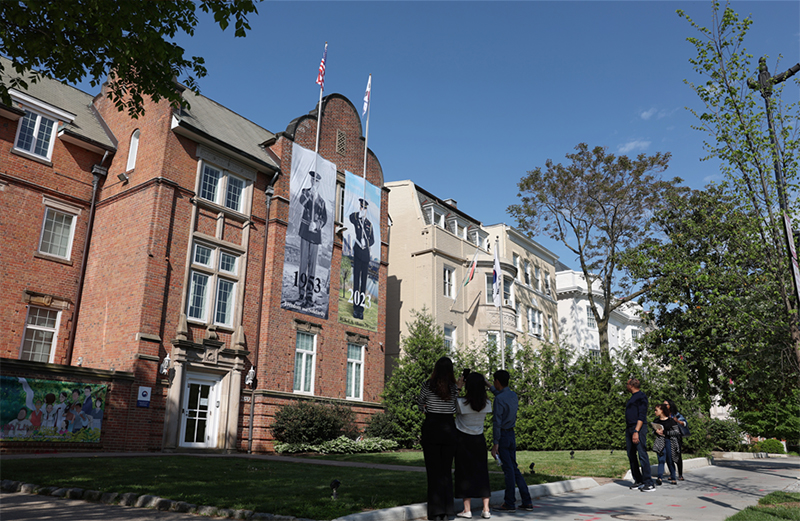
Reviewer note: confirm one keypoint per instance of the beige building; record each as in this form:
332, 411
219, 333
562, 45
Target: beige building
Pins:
432, 248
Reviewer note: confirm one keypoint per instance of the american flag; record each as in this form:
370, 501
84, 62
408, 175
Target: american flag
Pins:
321, 75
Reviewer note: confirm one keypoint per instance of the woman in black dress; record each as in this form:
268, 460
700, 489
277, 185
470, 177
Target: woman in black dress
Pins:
437, 399
472, 471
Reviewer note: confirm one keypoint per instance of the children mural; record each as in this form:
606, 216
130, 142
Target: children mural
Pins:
44, 410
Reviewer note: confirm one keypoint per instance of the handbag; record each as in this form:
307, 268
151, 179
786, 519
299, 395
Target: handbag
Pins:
685, 432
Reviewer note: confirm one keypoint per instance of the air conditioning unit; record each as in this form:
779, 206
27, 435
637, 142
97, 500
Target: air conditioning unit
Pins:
506, 302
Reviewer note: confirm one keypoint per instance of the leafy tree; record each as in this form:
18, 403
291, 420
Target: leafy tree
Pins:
740, 136
598, 206
717, 310
421, 348
129, 41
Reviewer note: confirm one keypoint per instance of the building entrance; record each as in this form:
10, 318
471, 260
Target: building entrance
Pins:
200, 412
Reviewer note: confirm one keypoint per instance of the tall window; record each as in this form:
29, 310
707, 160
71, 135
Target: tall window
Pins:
35, 135
538, 277
507, 282
449, 337
518, 315
447, 276
340, 202
547, 282
535, 323
133, 150
304, 354
550, 331
594, 355
635, 335
58, 231
590, 318
41, 328
213, 278
515, 258
223, 188
527, 273
489, 288
355, 372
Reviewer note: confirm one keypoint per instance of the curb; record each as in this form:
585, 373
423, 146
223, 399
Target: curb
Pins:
688, 464
142, 501
420, 510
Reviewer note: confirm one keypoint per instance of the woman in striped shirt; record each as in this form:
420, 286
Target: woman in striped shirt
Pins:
437, 399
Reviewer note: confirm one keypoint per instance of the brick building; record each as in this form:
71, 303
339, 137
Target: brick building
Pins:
147, 256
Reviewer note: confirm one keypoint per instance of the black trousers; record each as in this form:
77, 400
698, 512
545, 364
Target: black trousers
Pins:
439, 449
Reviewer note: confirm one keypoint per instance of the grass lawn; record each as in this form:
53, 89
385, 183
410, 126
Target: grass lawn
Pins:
772, 507
589, 463
238, 483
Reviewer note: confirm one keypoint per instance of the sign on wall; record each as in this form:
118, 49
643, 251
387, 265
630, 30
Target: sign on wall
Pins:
309, 236
361, 253
44, 410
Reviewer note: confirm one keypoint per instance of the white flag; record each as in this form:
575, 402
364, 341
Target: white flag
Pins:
497, 281
366, 96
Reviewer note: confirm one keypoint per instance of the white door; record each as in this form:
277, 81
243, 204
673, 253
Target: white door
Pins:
199, 412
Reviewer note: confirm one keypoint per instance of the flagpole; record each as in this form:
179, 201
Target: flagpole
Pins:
321, 83
500, 306
466, 278
368, 106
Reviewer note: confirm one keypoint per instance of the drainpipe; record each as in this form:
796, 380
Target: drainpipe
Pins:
97, 172
270, 191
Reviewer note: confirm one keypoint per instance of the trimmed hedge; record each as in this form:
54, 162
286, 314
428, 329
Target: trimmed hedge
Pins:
305, 422
341, 445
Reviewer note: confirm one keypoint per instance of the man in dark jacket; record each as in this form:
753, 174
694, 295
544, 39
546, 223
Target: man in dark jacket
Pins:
636, 437
364, 239
315, 216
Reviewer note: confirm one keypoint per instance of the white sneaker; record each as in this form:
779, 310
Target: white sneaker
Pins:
464, 515
486, 515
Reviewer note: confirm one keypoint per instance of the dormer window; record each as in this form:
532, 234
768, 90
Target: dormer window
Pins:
35, 135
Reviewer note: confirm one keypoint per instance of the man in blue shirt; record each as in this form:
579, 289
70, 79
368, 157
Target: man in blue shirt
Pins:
505, 443
636, 437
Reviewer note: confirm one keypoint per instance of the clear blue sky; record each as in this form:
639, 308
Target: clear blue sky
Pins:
469, 96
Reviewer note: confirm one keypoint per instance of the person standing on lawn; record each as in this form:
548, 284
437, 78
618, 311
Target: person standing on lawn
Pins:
636, 437
504, 440
437, 399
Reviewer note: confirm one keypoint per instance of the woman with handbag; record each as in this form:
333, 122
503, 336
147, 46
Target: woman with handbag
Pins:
437, 399
684, 427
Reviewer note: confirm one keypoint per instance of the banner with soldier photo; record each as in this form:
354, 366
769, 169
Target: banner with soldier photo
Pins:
309, 237
46, 410
361, 253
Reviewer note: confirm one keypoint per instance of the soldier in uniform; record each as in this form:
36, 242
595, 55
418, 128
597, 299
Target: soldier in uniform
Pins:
315, 216
364, 239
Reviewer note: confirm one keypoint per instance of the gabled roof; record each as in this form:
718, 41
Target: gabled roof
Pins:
87, 125
226, 128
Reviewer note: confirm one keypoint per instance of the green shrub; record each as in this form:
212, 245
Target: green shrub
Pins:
313, 423
383, 425
341, 445
725, 434
772, 446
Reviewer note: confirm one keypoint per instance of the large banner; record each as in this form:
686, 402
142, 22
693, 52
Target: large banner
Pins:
309, 237
361, 253
44, 410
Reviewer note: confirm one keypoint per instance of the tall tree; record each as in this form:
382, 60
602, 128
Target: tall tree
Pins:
598, 206
740, 136
717, 312
129, 41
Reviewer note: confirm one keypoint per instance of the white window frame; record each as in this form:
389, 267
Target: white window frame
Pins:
537, 279
531, 322
595, 355
636, 335
223, 182
535, 326
518, 315
489, 288
53, 205
306, 380
31, 327
550, 329
133, 150
355, 368
40, 110
448, 285
547, 282
591, 323
515, 261
527, 274
215, 278
449, 337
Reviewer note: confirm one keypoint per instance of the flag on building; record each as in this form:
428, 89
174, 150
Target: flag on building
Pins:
366, 96
321, 75
471, 271
497, 281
